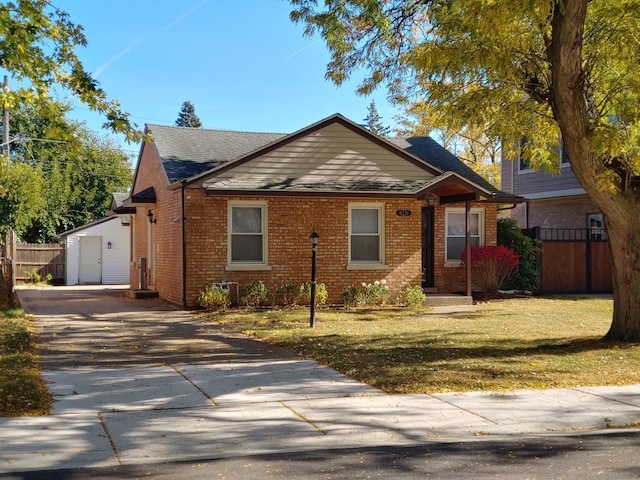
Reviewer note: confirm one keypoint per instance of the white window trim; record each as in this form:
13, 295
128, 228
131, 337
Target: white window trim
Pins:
481, 232
368, 265
247, 266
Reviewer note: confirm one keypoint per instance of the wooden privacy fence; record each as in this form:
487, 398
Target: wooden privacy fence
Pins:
6, 283
572, 260
38, 259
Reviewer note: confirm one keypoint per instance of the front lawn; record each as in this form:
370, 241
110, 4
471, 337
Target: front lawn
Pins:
22, 391
502, 345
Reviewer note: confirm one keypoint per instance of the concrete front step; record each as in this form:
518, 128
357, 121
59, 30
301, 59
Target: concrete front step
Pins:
446, 300
142, 294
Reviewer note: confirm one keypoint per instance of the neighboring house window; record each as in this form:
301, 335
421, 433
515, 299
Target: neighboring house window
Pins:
247, 233
524, 157
564, 156
595, 224
456, 231
366, 233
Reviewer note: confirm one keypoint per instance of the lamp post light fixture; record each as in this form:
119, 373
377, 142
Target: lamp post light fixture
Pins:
313, 238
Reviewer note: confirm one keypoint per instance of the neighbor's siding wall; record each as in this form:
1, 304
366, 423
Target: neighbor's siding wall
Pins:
115, 261
555, 201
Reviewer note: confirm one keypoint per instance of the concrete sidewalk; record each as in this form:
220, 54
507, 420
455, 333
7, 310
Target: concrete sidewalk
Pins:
171, 405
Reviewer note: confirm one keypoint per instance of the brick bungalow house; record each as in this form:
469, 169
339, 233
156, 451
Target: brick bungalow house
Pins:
215, 205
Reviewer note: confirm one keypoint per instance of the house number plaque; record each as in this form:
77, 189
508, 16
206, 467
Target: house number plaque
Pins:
403, 213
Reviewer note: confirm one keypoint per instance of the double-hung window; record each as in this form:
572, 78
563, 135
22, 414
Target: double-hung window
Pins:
366, 234
247, 234
564, 156
456, 231
525, 155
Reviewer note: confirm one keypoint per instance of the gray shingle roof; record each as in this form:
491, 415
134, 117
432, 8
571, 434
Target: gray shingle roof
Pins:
431, 152
186, 152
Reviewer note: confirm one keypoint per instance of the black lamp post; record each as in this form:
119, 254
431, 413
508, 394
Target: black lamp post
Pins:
314, 247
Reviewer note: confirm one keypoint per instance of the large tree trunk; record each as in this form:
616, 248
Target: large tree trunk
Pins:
624, 244
575, 113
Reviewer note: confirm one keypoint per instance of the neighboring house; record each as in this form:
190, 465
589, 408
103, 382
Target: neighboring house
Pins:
230, 206
99, 252
574, 256
553, 200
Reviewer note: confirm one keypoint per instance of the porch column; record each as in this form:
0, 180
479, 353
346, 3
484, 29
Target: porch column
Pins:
467, 244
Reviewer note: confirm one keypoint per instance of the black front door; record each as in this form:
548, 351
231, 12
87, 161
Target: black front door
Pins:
428, 280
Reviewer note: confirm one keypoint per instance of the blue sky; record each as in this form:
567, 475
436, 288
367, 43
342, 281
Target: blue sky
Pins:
243, 64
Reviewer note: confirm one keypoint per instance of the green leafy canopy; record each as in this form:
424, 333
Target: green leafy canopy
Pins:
38, 44
485, 64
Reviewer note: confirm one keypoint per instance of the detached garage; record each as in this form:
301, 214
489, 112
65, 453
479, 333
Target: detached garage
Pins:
98, 252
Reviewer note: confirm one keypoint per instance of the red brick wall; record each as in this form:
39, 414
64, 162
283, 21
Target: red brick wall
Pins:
291, 220
167, 230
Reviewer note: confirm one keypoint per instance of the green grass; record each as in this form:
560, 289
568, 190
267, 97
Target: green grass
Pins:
503, 345
22, 391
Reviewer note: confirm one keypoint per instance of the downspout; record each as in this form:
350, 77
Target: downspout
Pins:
467, 244
184, 245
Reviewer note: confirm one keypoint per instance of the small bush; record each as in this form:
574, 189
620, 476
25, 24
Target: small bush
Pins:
321, 293
287, 294
253, 294
352, 296
492, 266
214, 297
36, 277
372, 294
376, 293
526, 275
411, 296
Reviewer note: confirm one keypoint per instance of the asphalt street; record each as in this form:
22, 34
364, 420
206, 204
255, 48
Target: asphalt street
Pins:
592, 456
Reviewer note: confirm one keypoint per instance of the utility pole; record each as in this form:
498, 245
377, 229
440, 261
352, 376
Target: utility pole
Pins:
5, 120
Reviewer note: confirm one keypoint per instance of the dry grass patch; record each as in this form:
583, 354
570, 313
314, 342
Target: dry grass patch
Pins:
502, 345
22, 391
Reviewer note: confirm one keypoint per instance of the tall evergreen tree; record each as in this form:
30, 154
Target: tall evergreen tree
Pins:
187, 116
373, 121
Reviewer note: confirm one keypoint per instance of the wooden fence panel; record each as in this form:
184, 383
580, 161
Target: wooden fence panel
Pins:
6, 285
572, 261
42, 259
563, 267
601, 272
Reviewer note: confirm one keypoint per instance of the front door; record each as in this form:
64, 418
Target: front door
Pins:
90, 261
428, 276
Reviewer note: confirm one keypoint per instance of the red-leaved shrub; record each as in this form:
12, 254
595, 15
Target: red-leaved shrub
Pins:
491, 266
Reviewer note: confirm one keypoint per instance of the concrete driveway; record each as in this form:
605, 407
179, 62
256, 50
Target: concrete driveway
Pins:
101, 327
103, 351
